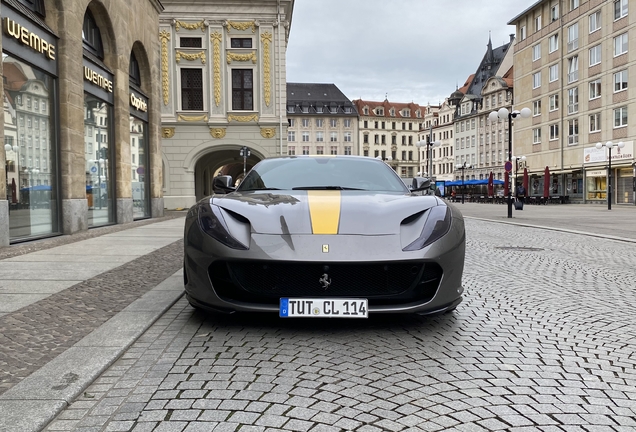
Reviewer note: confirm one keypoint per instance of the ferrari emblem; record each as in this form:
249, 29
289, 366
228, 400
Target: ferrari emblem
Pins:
325, 281
325, 248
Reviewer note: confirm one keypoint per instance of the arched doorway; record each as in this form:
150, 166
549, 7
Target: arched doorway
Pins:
226, 161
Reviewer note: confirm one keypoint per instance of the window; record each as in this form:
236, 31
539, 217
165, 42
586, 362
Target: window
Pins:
290, 109
376, 125
366, 124
347, 150
347, 123
333, 150
320, 150
554, 12
291, 136
242, 89
91, 36
305, 137
573, 132
291, 150
573, 37
319, 109
305, 122
573, 100
305, 150
620, 8
376, 139
190, 42
595, 122
554, 72
536, 80
595, 89
383, 125
537, 23
620, 117
383, 139
365, 138
333, 122
393, 139
522, 33
574, 4
620, 81
291, 122
347, 137
333, 137
240, 43
595, 55
536, 136
379, 111
319, 123
536, 52
553, 43
554, 132
536, 107
620, 44
192, 89
595, 21
319, 137
573, 69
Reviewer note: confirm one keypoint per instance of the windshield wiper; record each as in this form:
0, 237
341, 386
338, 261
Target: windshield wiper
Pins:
324, 188
258, 189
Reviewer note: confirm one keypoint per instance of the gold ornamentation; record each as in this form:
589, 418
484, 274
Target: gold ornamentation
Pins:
266, 39
202, 117
268, 132
189, 26
217, 132
167, 132
241, 57
165, 80
241, 26
242, 118
190, 56
215, 38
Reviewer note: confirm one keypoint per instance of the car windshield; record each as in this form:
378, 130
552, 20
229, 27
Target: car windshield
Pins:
315, 173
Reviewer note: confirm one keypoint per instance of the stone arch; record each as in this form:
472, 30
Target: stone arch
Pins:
141, 55
196, 153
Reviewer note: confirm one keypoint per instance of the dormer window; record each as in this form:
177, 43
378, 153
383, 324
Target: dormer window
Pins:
365, 110
407, 113
418, 114
333, 110
319, 109
347, 110
290, 109
392, 112
379, 111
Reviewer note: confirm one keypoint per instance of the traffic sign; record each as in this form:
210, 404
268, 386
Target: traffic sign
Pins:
508, 166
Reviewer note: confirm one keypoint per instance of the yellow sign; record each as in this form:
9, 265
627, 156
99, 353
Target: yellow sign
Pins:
97, 79
138, 103
28, 38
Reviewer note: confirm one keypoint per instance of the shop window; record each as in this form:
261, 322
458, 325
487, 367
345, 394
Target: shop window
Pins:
242, 89
91, 36
192, 89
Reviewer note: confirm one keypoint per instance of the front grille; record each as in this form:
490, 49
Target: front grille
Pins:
381, 283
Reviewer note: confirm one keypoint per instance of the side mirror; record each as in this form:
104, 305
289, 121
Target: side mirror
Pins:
420, 183
222, 184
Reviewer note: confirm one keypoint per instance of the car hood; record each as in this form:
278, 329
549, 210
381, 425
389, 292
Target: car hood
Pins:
322, 212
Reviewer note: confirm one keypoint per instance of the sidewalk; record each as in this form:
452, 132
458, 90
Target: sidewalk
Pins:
590, 219
69, 308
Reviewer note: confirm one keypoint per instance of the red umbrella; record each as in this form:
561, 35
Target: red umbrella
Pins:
506, 183
525, 180
491, 185
546, 183
14, 198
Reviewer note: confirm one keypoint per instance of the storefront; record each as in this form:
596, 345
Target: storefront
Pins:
30, 73
139, 155
596, 180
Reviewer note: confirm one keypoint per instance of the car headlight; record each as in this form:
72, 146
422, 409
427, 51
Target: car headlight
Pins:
213, 224
437, 224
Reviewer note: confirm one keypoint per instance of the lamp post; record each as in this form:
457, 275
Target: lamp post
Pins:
245, 152
463, 167
429, 144
609, 145
502, 114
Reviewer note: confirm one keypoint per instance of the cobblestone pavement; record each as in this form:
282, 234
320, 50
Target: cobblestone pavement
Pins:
544, 341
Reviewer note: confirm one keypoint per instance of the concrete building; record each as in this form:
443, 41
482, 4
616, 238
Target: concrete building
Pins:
321, 120
574, 61
222, 89
390, 131
76, 73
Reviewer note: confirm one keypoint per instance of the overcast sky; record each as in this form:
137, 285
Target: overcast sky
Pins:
412, 50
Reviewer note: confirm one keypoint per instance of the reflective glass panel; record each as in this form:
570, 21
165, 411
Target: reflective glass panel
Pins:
139, 168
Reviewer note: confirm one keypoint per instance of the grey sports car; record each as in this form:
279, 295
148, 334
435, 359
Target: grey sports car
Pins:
323, 236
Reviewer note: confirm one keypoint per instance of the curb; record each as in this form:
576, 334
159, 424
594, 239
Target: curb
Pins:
39, 398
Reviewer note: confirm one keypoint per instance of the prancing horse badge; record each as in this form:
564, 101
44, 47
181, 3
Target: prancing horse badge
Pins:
325, 248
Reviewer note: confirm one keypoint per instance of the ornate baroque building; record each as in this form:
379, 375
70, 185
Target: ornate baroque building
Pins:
222, 89
81, 117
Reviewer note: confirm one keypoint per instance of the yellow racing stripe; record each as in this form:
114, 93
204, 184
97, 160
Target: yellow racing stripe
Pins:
324, 210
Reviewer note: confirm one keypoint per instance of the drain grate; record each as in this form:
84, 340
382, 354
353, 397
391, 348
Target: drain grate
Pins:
519, 248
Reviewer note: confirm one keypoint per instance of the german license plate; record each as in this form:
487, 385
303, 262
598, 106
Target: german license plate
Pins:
323, 308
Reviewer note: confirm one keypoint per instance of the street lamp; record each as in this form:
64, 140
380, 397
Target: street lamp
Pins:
429, 144
502, 114
245, 153
609, 146
463, 167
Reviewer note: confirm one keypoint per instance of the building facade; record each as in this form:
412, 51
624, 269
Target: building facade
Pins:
223, 90
575, 68
389, 131
77, 79
321, 120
